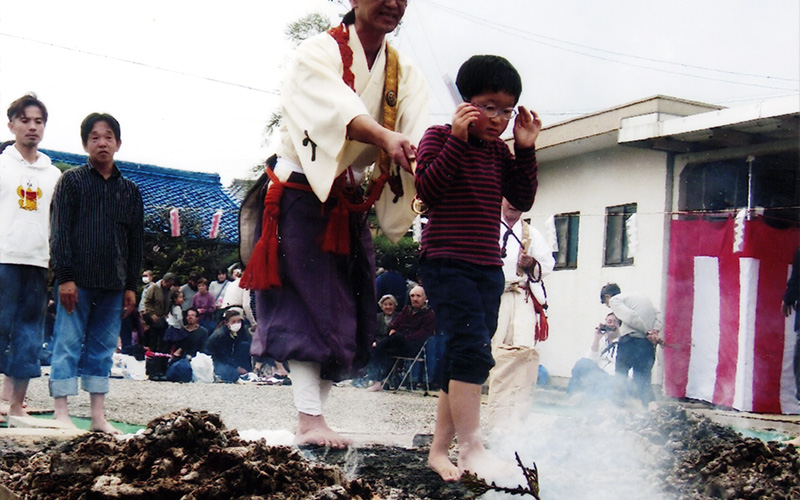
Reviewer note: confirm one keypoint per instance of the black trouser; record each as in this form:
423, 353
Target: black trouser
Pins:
639, 354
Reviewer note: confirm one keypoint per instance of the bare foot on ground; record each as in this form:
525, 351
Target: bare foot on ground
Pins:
442, 465
376, 387
18, 411
104, 426
64, 419
312, 429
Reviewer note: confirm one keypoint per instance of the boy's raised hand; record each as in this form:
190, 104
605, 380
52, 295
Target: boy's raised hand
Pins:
465, 114
526, 128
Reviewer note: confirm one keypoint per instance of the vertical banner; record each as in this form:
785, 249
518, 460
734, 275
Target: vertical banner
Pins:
215, 220
726, 340
175, 222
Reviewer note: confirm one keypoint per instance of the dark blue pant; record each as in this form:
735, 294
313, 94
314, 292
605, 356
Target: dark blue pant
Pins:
639, 354
465, 298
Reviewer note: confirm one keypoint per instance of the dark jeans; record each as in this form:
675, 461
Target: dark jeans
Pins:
465, 298
228, 369
639, 354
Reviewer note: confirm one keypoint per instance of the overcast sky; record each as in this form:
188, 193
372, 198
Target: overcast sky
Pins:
193, 87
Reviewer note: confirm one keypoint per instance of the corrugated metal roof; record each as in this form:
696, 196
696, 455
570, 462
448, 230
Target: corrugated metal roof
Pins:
193, 193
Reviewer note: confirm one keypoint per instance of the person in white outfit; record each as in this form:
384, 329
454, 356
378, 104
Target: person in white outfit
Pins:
27, 183
521, 321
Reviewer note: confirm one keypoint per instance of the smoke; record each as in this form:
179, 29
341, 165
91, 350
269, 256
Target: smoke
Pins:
582, 453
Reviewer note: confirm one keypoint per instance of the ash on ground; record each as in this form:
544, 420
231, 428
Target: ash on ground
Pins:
190, 455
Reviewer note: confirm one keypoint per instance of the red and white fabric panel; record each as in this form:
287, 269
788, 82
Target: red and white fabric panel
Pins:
726, 340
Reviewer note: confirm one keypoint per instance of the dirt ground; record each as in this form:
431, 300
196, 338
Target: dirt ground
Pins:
191, 455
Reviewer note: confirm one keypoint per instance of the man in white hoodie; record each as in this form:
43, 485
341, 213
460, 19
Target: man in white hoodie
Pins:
27, 182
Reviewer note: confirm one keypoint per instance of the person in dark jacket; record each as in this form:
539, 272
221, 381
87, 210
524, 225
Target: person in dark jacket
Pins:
229, 347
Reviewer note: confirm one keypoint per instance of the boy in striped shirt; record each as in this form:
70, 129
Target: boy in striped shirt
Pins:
464, 171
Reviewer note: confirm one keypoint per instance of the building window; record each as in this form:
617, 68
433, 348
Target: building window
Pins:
567, 235
719, 188
616, 253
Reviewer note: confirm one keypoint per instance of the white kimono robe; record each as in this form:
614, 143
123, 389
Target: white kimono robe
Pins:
317, 107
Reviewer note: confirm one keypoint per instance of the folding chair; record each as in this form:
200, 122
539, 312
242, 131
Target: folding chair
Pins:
407, 369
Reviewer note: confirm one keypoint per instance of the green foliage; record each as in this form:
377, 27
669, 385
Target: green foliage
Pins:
191, 251
306, 27
63, 166
406, 250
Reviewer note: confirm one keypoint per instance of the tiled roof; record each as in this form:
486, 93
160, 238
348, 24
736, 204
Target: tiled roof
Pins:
193, 193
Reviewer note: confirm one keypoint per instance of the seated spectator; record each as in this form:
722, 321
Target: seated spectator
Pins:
388, 305
196, 336
205, 304
408, 331
594, 373
229, 347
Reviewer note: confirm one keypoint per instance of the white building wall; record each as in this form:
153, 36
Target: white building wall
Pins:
588, 183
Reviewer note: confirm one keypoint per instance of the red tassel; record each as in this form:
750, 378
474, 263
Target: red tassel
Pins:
262, 271
542, 328
337, 233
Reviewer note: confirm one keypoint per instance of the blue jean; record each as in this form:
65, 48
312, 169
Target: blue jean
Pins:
466, 299
23, 298
84, 341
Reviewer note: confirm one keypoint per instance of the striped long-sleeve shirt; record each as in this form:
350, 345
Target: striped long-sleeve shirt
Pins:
463, 184
96, 229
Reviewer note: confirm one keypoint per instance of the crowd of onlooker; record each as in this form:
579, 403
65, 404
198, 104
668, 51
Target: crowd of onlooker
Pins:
175, 322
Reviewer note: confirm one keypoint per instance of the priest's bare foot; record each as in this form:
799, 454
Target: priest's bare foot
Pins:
312, 429
442, 465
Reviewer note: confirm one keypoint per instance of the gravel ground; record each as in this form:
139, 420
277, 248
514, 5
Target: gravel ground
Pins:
369, 417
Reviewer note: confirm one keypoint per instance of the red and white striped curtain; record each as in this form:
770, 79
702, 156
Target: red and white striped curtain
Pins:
726, 340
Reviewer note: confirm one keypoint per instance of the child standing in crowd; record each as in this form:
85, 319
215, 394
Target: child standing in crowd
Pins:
464, 170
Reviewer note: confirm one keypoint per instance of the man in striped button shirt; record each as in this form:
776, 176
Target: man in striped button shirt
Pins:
96, 246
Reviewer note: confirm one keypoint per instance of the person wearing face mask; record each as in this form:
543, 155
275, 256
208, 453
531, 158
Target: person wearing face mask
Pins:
147, 281
229, 347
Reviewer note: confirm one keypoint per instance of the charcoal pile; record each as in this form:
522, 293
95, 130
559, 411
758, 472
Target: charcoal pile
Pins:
697, 459
183, 455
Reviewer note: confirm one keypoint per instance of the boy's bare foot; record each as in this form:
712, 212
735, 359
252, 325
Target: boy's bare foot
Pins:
442, 465
312, 429
104, 426
376, 387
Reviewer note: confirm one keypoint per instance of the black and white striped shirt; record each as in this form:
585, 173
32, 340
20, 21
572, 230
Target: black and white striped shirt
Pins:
96, 230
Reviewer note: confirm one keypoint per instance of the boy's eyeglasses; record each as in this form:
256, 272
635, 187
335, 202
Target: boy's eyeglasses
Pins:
493, 111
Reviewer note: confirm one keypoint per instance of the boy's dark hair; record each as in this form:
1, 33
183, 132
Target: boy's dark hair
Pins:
17, 107
88, 124
487, 73
610, 289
